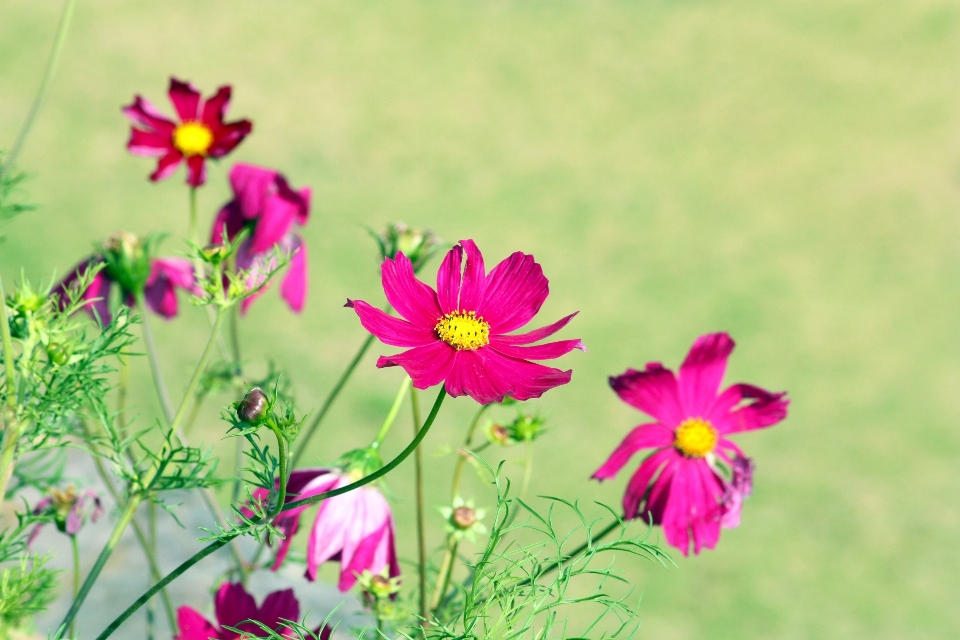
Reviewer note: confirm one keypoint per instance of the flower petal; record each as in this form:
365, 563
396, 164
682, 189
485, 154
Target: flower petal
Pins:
536, 334
230, 217
167, 165
143, 113
149, 144
412, 299
391, 330
215, 108
330, 529
449, 277
226, 137
233, 604
279, 604
547, 351
473, 284
765, 410
252, 185
427, 365
640, 482
488, 376
515, 290
274, 222
193, 626
652, 435
653, 391
293, 288
196, 171
702, 372
185, 99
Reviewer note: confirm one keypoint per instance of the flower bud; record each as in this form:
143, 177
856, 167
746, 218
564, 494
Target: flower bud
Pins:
254, 406
214, 253
128, 261
58, 353
498, 434
464, 517
417, 245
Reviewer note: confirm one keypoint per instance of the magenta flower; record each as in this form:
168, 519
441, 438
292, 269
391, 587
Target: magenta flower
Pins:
459, 333
355, 527
233, 605
265, 201
200, 133
690, 497
68, 509
166, 276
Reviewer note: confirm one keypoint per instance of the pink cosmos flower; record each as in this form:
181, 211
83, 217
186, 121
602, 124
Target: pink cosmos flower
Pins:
459, 333
355, 528
200, 133
68, 509
167, 275
689, 497
264, 200
232, 606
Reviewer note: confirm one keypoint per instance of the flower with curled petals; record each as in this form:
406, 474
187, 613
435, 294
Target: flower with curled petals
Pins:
68, 510
459, 335
233, 607
265, 202
681, 484
199, 134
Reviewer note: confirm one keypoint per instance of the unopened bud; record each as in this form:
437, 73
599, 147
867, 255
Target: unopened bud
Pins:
213, 253
499, 434
58, 353
253, 407
463, 517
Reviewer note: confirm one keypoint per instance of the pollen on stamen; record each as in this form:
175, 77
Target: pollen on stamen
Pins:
695, 438
463, 330
193, 138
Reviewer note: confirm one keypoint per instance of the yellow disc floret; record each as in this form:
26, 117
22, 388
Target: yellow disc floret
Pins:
695, 438
192, 139
463, 330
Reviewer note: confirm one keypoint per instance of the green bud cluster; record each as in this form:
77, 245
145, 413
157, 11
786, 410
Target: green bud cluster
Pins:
523, 428
417, 245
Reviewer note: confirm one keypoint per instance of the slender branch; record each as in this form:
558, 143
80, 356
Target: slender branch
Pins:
421, 511
591, 540
392, 415
214, 546
462, 460
10, 426
328, 402
282, 459
76, 577
9, 380
446, 570
161, 387
45, 84
197, 373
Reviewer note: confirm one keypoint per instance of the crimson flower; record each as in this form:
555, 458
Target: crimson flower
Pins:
459, 333
200, 133
355, 527
265, 201
690, 497
233, 605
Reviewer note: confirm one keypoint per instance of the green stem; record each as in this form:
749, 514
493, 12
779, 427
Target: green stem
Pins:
392, 415
235, 340
421, 511
152, 543
9, 381
462, 460
282, 459
527, 470
154, 358
45, 84
591, 540
197, 373
446, 570
194, 237
76, 577
214, 546
328, 402
105, 553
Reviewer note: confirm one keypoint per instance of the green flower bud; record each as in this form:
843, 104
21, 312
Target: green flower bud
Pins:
254, 407
417, 245
214, 253
58, 353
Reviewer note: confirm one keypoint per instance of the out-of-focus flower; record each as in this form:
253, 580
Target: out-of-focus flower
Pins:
419, 246
68, 509
458, 333
232, 606
523, 428
200, 133
463, 519
689, 497
354, 527
264, 201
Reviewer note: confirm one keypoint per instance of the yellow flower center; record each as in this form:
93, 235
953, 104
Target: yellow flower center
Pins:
695, 438
64, 500
192, 139
463, 330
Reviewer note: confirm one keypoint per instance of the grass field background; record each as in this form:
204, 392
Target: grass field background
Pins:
785, 171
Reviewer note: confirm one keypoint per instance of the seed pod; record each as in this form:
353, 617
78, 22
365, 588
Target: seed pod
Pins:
253, 407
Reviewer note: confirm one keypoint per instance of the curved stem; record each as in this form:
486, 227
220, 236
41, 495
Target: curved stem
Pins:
214, 546
392, 415
421, 511
45, 84
154, 358
462, 460
328, 402
282, 459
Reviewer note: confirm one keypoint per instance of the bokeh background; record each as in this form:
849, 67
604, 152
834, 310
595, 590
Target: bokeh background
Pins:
785, 171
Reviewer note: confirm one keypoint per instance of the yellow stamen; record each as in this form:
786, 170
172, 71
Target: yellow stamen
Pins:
63, 500
695, 438
192, 139
463, 330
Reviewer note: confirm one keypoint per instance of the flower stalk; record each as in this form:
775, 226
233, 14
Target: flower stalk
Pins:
420, 509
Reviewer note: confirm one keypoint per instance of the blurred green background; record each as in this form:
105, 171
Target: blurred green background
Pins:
785, 171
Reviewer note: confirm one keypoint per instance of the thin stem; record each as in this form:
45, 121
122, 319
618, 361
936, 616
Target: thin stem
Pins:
446, 570
235, 340
122, 385
392, 415
161, 387
421, 511
105, 553
9, 380
152, 542
214, 546
328, 402
194, 236
76, 578
282, 459
197, 373
591, 540
462, 460
527, 469
45, 84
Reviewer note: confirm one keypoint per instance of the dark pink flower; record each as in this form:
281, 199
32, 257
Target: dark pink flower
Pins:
167, 275
679, 485
232, 606
459, 333
68, 509
355, 528
265, 201
199, 134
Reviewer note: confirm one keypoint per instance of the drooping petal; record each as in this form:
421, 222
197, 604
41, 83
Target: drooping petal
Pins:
653, 391
193, 626
149, 144
427, 366
143, 113
252, 185
362, 558
449, 277
389, 329
185, 99
196, 171
764, 409
233, 604
215, 108
98, 293
692, 512
228, 217
293, 288
300, 198
167, 165
547, 351
535, 335
166, 276
302, 484
412, 299
275, 220
488, 376
329, 531
640, 482
702, 372
515, 290
646, 436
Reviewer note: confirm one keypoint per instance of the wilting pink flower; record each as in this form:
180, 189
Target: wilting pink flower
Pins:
68, 509
200, 133
689, 497
232, 606
265, 201
458, 333
167, 275
355, 527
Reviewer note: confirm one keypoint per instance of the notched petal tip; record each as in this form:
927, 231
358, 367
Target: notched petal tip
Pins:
349, 304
